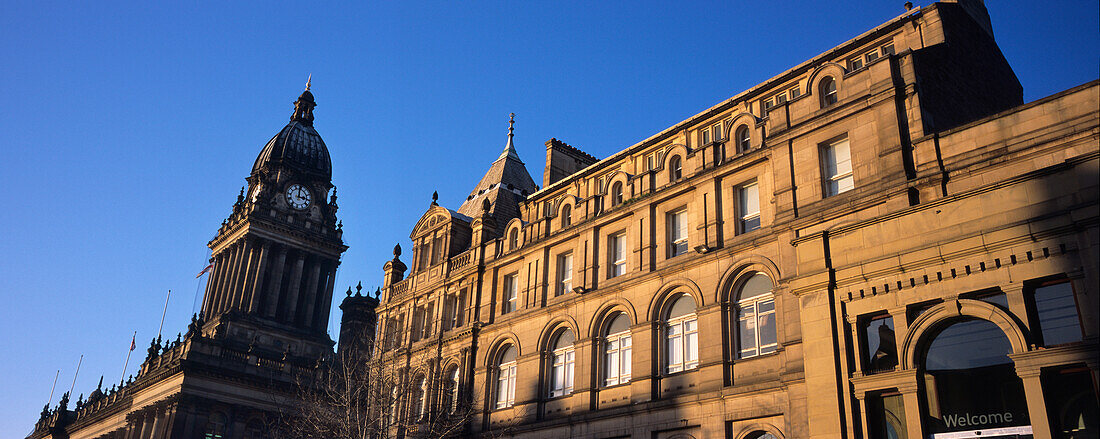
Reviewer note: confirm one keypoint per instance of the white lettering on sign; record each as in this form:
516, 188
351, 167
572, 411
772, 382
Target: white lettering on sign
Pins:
969, 420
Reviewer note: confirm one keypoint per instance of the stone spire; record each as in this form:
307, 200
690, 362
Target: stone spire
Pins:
510, 148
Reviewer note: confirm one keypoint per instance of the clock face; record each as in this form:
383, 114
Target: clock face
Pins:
297, 196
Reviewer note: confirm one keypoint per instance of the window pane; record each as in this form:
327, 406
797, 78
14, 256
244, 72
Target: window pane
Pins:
691, 347
683, 306
626, 359
881, 345
767, 329
750, 200
842, 156
675, 349
747, 329
757, 285
1057, 311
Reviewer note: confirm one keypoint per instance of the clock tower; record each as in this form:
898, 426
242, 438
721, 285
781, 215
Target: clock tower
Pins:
275, 257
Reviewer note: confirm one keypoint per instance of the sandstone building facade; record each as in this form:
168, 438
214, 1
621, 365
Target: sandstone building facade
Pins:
881, 242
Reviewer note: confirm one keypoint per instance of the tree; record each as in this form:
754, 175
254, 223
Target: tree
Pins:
356, 395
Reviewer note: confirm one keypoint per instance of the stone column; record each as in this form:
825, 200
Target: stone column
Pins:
861, 399
257, 283
311, 294
240, 274
273, 296
213, 285
227, 281
911, 399
211, 282
292, 289
1036, 402
158, 424
326, 298
645, 372
244, 294
1017, 303
146, 425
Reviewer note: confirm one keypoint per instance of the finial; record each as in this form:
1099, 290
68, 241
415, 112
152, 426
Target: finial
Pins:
908, 6
377, 292
309, 81
349, 292
435, 198
510, 148
358, 289
396, 250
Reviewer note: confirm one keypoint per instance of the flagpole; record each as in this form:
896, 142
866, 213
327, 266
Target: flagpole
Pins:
76, 374
54, 386
162, 314
128, 352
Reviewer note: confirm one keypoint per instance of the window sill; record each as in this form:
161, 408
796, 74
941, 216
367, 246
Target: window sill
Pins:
559, 397
682, 372
758, 356
616, 386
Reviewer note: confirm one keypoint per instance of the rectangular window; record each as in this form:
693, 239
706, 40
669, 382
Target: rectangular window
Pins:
437, 250
748, 204
756, 326
871, 56
855, 63
422, 254
565, 274
417, 324
880, 352
616, 255
506, 385
795, 92
677, 233
1055, 308
837, 163
428, 311
780, 99
886, 415
887, 49
511, 290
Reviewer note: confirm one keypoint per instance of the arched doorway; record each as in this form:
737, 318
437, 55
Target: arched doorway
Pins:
969, 381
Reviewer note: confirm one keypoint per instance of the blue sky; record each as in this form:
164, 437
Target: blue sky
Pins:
129, 128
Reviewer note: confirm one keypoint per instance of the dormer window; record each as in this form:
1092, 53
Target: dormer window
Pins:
513, 239
742, 138
828, 91
617, 193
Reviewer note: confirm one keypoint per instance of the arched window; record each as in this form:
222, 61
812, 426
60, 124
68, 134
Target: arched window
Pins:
755, 317
450, 389
967, 372
215, 426
254, 430
419, 392
506, 377
566, 215
562, 359
744, 142
682, 335
827, 87
617, 193
513, 239
675, 168
392, 406
616, 352
760, 435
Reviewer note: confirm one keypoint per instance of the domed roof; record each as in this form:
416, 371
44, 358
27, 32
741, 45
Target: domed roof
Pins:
298, 145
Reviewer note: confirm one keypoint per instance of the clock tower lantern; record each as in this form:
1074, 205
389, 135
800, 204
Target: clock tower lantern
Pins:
275, 257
